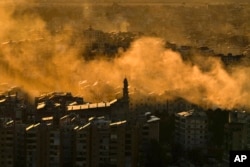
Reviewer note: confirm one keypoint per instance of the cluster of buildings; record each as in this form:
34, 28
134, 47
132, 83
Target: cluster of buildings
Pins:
229, 59
98, 42
66, 131
102, 43
74, 142
193, 132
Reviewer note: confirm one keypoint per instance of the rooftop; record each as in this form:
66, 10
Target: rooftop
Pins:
118, 123
81, 127
32, 126
90, 105
191, 113
153, 119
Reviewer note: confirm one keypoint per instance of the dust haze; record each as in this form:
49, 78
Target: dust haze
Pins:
37, 58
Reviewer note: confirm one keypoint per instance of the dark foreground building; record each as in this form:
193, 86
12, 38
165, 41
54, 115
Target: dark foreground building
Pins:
74, 142
65, 131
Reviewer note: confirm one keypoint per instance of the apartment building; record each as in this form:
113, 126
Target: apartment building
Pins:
117, 143
100, 135
82, 145
191, 129
76, 142
54, 147
7, 137
36, 145
67, 145
236, 133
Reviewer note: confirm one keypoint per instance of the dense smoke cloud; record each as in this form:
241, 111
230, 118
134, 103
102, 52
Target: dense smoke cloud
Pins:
155, 69
40, 61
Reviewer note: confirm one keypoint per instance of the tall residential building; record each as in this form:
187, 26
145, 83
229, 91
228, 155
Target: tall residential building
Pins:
117, 146
235, 136
82, 145
236, 133
191, 129
67, 145
100, 135
54, 147
20, 144
36, 145
12, 144
7, 137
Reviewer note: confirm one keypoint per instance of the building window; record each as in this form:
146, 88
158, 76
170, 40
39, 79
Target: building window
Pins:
113, 136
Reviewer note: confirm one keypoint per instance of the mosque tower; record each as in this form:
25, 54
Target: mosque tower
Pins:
125, 98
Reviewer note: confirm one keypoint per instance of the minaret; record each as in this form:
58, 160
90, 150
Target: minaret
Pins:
125, 91
125, 99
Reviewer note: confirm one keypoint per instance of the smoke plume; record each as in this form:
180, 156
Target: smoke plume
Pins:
40, 61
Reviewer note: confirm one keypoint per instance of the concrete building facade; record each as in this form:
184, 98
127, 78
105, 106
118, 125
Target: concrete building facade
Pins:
191, 129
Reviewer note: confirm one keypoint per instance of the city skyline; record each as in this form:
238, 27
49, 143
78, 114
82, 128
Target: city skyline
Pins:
123, 83
49, 50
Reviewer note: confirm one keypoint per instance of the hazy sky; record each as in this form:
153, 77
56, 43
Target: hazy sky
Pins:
176, 1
